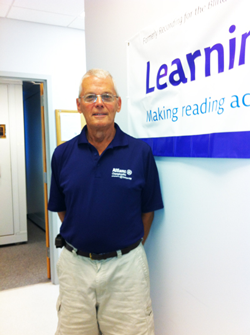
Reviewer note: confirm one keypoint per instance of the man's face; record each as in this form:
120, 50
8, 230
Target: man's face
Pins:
99, 114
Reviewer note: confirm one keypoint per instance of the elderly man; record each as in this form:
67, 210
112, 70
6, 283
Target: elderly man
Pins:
105, 188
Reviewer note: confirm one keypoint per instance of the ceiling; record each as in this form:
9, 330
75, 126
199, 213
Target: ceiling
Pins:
64, 13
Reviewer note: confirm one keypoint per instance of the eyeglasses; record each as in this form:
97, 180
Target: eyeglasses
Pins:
91, 97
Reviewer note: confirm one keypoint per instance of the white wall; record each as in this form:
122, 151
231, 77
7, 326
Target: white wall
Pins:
54, 54
199, 248
34, 48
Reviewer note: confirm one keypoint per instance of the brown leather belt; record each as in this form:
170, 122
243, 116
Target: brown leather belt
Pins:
99, 257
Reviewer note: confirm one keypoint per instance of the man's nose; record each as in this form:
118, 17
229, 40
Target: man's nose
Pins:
99, 100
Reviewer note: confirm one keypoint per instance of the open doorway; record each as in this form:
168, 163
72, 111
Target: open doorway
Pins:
33, 154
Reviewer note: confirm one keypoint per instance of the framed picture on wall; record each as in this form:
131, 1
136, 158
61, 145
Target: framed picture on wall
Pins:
69, 124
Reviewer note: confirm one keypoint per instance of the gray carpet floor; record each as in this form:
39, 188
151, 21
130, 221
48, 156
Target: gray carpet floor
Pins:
24, 264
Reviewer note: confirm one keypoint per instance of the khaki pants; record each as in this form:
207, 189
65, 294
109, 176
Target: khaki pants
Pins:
108, 297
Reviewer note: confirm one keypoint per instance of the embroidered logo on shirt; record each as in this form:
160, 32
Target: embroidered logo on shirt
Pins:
122, 174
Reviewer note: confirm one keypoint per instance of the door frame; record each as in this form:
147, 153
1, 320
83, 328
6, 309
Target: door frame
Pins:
50, 143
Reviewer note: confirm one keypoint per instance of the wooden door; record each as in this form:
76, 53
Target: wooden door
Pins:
45, 181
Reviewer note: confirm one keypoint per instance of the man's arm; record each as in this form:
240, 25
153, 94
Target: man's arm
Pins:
147, 219
61, 215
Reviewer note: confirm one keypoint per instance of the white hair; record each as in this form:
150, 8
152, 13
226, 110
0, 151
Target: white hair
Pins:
99, 73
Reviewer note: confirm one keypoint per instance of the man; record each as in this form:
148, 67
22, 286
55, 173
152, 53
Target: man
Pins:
105, 188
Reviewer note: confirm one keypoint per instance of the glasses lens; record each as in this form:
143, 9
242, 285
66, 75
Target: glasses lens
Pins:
107, 97
89, 97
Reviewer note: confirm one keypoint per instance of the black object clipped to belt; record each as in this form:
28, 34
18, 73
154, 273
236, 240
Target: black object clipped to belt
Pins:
60, 241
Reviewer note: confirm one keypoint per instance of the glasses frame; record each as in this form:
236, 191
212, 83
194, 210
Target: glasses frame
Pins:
98, 95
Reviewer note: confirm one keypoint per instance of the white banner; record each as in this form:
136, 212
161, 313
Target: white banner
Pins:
189, 74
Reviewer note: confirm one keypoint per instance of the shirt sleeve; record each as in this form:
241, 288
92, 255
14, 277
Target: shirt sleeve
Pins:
151, 193
56, 198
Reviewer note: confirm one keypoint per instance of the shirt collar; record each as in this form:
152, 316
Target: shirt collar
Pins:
120, 139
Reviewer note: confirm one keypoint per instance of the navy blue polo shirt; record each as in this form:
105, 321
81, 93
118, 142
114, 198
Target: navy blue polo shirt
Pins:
104, 196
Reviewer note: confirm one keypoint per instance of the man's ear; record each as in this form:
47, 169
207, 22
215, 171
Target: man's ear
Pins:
119, 103
78, 104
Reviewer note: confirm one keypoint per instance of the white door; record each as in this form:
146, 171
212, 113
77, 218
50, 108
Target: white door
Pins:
13, 213
6, 208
